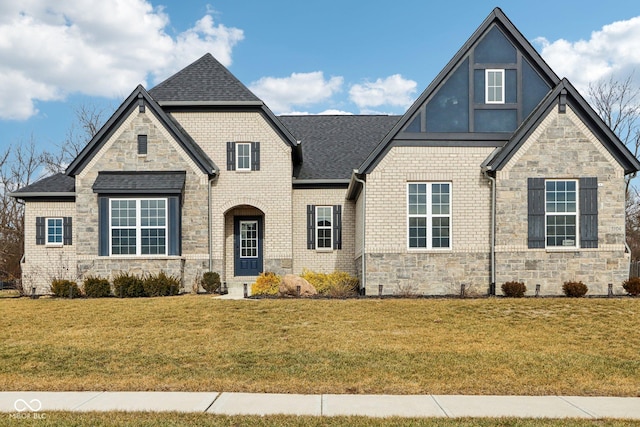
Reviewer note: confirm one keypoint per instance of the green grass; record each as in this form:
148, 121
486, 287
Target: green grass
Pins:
146, 419
396, 346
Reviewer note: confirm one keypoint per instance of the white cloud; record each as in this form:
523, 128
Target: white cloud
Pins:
50, 49
329, 112
299, 89
613, 50
393, 90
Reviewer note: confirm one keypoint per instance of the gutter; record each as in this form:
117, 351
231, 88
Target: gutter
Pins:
364, 229
492, 180
25, 195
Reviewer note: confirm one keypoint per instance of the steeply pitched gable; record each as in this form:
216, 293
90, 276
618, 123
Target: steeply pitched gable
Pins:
454, 108
207, 81
140, 98
564, 94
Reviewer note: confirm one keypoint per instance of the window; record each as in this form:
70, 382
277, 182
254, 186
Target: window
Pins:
561, 213
429, 215
494, 86
324, 227
138, 226
324, 218
54, 231
243, 156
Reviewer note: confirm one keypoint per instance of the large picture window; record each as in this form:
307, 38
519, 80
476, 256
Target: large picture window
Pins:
429, 215
138, 226
561, 213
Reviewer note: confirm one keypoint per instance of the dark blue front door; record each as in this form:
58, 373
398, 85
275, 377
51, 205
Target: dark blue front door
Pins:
247, 245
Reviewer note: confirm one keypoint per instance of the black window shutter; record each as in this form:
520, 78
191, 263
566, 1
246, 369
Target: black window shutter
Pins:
142, 144
40, 230
231, 156
255, 156
535, 190
103, 226
311, 227
337, 227
67, 230
588, 189
175, 237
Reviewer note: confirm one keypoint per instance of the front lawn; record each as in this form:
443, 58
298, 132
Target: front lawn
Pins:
411, 346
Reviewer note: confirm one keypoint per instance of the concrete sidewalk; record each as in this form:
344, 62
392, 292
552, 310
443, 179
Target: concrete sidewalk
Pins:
326, 404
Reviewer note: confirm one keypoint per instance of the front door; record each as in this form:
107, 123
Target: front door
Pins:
248, 245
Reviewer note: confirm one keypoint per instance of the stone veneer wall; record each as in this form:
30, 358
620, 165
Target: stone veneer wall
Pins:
268, 189
43, 263
562, 147
389, 262
120, 153
325, 261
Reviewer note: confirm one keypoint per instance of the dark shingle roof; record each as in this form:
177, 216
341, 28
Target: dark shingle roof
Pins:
58, 183
206, 80
110, 182
333, 146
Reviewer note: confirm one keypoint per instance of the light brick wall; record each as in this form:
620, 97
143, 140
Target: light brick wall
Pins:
120, 153
389, 261
268, 189
321, 260
562, 148
43, 263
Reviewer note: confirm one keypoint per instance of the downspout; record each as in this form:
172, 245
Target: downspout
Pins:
492, 255
364, 229
209, 224
626, 245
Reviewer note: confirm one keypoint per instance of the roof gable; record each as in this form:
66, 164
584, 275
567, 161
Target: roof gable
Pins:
140, 98
565, 94
204, 81
453, 105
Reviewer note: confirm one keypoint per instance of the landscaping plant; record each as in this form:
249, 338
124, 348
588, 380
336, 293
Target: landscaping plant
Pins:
514, 289
632, 286
267, 283
96, 287
210, 281
65, 288
574, 289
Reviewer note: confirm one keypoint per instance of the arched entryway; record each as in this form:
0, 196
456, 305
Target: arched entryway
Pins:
244, 247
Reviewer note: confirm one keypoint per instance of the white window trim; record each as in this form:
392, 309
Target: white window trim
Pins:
46, 234
257, 255
238, 168
576, 213
429, 216
330, 228
486, 85
138, 227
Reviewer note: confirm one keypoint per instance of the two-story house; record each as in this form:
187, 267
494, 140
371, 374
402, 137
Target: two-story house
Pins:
499, 171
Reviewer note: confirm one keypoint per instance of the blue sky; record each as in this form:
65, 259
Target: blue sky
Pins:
298, 56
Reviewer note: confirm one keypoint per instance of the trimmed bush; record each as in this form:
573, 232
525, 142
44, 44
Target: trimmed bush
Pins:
127, 285
338, 284
514, 289
96, 287
632, 286
574, 289
161, 285
267, 283
210, 281
64, 288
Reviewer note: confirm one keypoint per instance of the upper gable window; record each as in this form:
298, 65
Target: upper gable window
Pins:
494, 86
243, 156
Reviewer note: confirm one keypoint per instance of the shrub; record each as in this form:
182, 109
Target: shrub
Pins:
96, 287
64, 288
127, 285
574, 289
267, 283
161, 285
514, 289
210, 281
632, 286
337, 284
